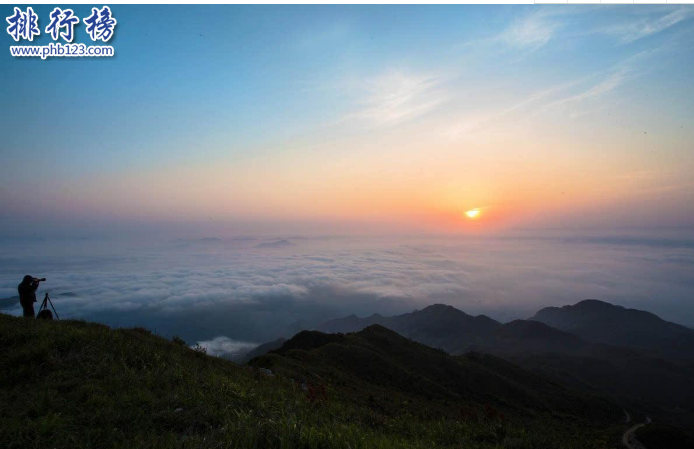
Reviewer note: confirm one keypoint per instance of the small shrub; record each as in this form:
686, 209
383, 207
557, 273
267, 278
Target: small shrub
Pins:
199, 349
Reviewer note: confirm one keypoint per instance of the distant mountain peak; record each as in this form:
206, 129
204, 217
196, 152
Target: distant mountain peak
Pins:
602, 322
307, 340
438, 325
595, 303
441, 307
443, 310
534, 329
602, 308
275, 244
378, 329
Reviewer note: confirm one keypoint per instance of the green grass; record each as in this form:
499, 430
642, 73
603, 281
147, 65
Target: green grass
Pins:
71, 384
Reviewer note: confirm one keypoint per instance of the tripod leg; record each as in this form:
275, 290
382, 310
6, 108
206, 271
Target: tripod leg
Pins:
53, 307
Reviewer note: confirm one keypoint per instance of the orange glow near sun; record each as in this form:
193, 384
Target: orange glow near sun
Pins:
473, 213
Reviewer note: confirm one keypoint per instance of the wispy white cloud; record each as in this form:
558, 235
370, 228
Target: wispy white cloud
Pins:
575, 97
483, 121
602, 87
397, 96
529, 32
646, 26
628, 69
533, 31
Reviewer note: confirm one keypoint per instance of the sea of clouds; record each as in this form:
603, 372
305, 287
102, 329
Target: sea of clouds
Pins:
227, 294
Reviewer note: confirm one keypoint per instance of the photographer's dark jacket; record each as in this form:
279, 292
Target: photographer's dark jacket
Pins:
27, 293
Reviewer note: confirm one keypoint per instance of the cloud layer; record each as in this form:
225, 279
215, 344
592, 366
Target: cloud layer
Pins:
203, 291
226, 347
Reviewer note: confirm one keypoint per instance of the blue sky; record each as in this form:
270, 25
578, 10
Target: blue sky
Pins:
360, 114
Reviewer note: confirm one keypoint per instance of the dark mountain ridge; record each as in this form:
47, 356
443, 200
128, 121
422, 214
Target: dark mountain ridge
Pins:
378, 367
439, 326
603, 322
634, 377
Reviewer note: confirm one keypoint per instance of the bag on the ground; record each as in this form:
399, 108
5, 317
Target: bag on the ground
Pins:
45, 314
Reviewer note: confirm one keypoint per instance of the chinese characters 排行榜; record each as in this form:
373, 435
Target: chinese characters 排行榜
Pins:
100, 24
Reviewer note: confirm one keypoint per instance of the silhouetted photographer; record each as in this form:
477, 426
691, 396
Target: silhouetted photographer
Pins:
27, 294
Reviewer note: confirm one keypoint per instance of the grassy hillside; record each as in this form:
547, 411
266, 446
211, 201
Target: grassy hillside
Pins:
378, 360
378, 369
82, 385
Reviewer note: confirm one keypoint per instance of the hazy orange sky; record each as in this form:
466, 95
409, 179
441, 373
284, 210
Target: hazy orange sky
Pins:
536, 116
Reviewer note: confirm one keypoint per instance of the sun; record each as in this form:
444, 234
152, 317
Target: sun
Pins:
473, 213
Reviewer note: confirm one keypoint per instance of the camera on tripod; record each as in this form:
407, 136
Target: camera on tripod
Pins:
44, 313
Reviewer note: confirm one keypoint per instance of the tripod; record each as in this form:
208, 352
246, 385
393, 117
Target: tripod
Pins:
44, 306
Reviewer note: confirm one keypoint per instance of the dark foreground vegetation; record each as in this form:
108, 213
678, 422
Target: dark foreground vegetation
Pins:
663, 436
73, 384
